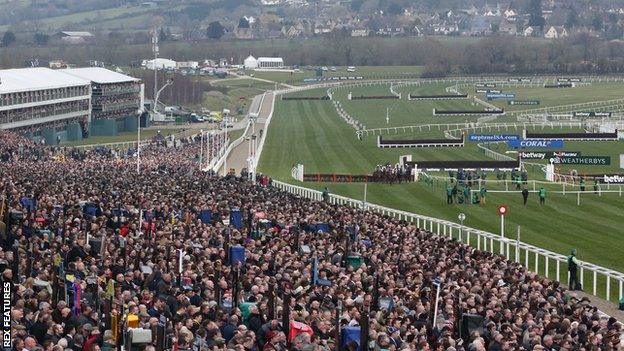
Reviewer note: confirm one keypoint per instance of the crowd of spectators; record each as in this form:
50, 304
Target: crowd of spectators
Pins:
116, 88
56, 125
96, 240
42, 111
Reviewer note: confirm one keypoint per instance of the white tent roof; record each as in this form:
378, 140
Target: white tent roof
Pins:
270, 59
250, 57
38, 78
99, 75
77, 34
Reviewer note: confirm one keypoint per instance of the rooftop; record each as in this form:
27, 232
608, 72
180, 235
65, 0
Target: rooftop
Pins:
38, 78
271, 59
99, 75
76, 34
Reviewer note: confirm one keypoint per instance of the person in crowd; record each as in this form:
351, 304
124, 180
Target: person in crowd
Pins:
542, 195
573, 264
525, 195
94, 241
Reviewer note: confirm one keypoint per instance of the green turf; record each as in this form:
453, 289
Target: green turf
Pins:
122, 137
311, 133
558, 97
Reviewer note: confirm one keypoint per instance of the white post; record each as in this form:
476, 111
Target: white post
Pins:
225, 172
502, 249
578, 199
365, 189
201, 148
435, 310
518, 245
140, 219
139, 143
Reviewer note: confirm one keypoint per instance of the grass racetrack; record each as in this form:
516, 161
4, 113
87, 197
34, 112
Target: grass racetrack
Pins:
311, 133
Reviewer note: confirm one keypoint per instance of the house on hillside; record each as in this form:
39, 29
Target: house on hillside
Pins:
75, 37
531, 31
556, 32
359, 32
507, 27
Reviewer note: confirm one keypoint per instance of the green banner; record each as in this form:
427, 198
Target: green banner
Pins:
523, 102
584, 160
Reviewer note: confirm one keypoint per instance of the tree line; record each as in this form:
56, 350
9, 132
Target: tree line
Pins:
580, 53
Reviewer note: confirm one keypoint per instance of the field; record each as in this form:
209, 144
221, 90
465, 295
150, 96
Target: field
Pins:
122, 137
312, 133
234, 94
112, 18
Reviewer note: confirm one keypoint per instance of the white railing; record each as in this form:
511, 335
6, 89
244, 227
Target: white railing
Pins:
256, 158
550, 264
123, 145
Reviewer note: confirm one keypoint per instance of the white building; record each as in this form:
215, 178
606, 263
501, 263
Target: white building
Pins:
250, 62
187, 64
36, 98
270, 62
556, 32
159, 63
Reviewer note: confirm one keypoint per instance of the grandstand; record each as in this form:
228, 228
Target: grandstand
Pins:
43, 103
67, 105
116, 99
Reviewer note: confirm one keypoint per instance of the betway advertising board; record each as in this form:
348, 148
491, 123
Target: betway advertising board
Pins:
583, 160
538, 144
492, 137
492, 96
546, 155
608, 178
592, 114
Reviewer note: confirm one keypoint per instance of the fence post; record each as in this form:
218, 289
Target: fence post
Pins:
608, 287
536, 262
558, 268
595, 281
545, 266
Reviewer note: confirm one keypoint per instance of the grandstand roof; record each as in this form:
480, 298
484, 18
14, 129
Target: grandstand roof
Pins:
37, 78
99, 75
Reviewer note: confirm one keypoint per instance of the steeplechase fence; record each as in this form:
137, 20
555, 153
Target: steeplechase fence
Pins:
572, 136
411, 97
398, 143
437, 112
294, 98
599, 281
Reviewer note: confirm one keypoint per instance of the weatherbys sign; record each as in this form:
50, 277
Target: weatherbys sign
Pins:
491, 96
542, 144
544, 155
523, 102
485, 85
492, 137
584, 160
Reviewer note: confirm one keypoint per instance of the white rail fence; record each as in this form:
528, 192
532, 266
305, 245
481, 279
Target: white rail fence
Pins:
599, 281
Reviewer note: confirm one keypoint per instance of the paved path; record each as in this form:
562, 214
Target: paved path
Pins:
237, 159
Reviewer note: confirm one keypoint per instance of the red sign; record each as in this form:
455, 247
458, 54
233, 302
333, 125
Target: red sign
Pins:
502, 210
